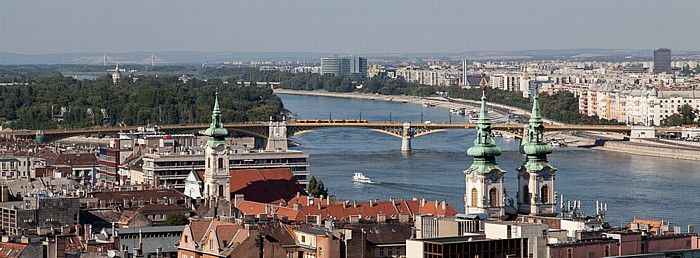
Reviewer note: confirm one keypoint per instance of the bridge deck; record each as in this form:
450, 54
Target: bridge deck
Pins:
311, 126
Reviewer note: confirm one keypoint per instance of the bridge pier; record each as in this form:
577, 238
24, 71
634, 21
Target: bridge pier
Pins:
277, 137
406, 135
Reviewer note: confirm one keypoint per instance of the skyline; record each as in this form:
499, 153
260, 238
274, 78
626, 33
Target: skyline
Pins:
352, 27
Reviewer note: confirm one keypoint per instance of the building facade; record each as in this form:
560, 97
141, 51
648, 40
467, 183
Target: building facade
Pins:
662, 60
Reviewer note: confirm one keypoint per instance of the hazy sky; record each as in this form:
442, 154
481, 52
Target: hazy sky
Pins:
345, 26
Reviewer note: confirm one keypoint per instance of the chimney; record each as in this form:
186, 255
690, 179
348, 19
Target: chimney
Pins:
370, 203
309, 200
444, 205
238, 200
354, 204
422, 202
331, 199
296, 206
436, 204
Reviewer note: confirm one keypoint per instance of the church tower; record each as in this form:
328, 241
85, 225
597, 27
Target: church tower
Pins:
116, 76
485, 192
536, 195
217, 177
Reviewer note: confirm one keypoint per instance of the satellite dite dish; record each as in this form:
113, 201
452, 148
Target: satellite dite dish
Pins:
111, 253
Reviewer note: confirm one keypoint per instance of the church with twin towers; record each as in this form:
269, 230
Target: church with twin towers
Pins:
485, 189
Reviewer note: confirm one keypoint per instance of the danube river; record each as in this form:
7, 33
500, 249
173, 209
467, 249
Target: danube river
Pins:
632, 186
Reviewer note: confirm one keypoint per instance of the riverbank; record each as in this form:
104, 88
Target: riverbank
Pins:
498, 109
638, 147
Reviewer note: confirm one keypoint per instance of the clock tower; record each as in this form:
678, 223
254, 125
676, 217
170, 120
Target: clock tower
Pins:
536, 195
485, 192
217, 177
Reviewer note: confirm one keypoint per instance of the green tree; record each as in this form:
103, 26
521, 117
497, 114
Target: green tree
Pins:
673, 120
687, 114
321, 189
317, 188
175, 219
312, 184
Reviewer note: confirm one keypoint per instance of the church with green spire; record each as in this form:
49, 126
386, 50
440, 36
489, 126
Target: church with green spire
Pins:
485, 192
217, 177
536, 195
216, 131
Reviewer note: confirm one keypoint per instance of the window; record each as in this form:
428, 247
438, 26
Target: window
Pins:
303, 239
606, 252
185, 238
221, 191
221, 163
570, 253
544, 194
493, 197
381, 252
475, 197
526, 194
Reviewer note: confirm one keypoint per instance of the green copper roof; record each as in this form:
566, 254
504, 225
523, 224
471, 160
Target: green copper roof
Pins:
536, 146
216, 131
484, 150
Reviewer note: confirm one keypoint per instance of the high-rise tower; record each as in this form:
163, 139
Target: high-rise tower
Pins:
465, 73
536, 195
484, 178
217, 177
662, 60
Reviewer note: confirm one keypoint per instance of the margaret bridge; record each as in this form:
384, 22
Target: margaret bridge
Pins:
277, 133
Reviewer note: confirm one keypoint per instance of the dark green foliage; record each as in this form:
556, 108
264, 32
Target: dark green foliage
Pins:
175, 219
150, 99
685, 116
316, 188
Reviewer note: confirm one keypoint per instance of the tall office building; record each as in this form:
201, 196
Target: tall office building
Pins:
344, 66
662, 60
358, 66
465, 80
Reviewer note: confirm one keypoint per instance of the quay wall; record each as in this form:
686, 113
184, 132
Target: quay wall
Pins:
655, 151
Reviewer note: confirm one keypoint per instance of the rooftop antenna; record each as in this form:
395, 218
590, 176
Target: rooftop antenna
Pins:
153, 59
104, 59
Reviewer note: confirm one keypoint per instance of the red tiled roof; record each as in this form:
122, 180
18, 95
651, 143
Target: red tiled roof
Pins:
653, 224
149, 195
264, 185
157, 208
225, 231
74, 159
198, 229
11, 249
342, 211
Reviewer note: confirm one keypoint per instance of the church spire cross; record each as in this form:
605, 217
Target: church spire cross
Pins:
484, 145
216, 131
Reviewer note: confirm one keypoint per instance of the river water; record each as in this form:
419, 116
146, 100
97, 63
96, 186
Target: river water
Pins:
632, 186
